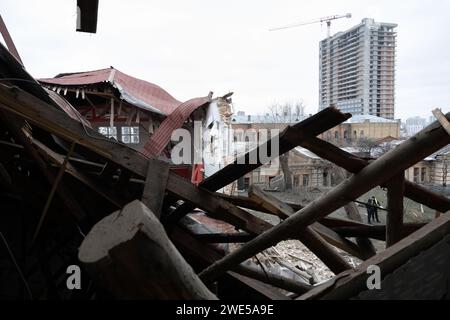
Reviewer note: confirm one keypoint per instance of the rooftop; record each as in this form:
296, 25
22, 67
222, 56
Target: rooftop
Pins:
369, 118
241, 118
135, 91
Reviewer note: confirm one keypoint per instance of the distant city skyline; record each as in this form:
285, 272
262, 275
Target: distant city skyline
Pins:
191, 48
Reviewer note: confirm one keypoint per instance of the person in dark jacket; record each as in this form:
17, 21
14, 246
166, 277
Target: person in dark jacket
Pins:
370, 212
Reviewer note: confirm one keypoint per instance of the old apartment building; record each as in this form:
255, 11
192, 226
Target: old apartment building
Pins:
357, 70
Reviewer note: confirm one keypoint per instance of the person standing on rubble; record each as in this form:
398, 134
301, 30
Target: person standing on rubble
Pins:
370, 211
376, 204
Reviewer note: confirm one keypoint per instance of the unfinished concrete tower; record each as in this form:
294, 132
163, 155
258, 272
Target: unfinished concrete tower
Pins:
357, 70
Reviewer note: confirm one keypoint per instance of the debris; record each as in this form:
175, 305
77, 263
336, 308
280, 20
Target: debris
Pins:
65, 183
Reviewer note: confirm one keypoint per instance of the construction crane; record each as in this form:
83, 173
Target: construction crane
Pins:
321, 20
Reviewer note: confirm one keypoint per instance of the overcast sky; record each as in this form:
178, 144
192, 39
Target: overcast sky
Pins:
192, 47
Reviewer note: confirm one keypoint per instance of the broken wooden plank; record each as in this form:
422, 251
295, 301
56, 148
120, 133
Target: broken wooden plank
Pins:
442, 120
426, 142
394, 219
126, 253
155, 186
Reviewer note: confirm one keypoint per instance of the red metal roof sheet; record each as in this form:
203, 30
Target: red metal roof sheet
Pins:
135, 91
141, 94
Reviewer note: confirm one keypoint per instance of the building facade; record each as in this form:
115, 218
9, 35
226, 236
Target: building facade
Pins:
357, 70
362, 127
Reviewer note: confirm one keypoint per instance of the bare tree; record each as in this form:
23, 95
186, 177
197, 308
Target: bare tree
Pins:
284, 164
286, 112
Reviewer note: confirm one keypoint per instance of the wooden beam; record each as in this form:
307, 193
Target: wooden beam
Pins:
394, 221
349, 284
216, 207
155, 186
333, 223
269, 202
338, 241
375, 232
9, 41
366, 246
442, 120
58, 159
246, 202
426, 142
126, 253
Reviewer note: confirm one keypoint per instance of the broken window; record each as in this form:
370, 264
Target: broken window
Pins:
130, 135
110, 132
325, 179
306, 180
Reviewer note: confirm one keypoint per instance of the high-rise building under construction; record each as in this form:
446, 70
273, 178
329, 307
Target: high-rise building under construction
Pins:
357, 70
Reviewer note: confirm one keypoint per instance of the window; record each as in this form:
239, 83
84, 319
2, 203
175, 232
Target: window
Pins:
416, 175
130, 135
246, 183
296, 181
255, 177
306, 180
110, 132
211, 145
423, 175
325, 179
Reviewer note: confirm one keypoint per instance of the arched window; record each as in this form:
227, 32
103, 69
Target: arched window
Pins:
336, 135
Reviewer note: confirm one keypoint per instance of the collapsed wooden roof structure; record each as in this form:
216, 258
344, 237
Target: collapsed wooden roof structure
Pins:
124, 216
